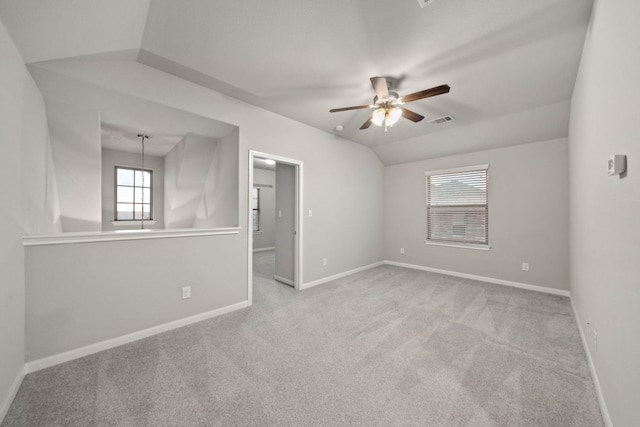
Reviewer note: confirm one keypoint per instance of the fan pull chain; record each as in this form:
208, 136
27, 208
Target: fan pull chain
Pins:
142, 138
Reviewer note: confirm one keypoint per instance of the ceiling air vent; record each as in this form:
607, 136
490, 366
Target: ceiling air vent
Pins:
440, 120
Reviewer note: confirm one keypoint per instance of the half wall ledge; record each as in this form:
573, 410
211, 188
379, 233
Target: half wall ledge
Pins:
107, 236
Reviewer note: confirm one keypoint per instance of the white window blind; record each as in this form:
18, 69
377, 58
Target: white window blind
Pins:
458, 205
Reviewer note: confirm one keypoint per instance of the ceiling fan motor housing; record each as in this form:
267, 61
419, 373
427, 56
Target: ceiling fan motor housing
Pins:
393, 98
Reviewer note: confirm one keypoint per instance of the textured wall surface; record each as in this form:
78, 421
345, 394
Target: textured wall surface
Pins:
605, 232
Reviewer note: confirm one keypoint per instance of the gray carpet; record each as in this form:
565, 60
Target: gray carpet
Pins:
387, 346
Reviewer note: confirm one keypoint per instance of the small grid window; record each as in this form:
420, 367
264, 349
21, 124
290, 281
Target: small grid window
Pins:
133, 191
458, 206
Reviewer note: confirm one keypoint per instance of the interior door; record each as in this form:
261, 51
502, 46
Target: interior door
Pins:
285, 223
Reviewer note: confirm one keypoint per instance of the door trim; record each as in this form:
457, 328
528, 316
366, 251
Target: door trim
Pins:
298, 222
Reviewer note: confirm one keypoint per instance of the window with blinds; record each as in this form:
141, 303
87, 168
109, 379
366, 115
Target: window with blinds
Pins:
458, 205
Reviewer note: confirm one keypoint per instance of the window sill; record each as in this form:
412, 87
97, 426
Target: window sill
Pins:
459, 245
130, 223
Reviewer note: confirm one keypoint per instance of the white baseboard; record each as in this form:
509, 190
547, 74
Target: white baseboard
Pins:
596, 382
272, 248
338, 276
67, 356
283, 280
483, 279
11, 393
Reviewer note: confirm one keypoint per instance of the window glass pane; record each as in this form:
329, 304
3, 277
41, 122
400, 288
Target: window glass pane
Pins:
137, 212
124, 176
140, 192
147, 211
459, 188
125, 211
147, 179
125, 195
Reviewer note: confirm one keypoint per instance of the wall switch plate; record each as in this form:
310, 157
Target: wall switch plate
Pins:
617, 164
186, 292
279, 214
310, 213
324, 261
525, 266
401, 250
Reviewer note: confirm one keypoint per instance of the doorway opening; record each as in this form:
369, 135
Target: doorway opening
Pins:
287, 213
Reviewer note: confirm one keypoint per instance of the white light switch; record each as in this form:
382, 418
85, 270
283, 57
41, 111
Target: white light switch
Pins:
310, 213
617, 164
279, 214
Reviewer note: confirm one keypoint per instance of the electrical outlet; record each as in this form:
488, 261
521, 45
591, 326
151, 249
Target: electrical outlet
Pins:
525, 266
401, 250
186, 292
595, 340
324, 261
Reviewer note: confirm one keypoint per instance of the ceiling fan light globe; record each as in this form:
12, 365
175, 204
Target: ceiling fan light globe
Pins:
393, 115
378, 116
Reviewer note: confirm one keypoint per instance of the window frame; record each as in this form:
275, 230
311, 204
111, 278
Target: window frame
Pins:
117, 220
450, 242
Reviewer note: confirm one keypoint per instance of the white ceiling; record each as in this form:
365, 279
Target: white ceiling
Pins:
511, 64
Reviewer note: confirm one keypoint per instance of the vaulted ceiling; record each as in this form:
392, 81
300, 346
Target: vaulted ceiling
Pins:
511, 64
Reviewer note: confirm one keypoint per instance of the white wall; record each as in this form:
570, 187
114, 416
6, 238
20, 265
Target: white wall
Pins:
267, 236
20, 105
81, 294
343, 184
219, 203
75, 144
528, 215
41, 208
605, 230
113, 158
186, 167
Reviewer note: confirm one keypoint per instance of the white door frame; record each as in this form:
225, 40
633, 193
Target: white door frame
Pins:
297, 245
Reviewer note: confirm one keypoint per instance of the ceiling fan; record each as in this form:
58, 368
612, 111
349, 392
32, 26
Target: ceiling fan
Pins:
388, 104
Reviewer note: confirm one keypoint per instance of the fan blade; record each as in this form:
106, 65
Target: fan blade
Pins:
380, 86
438, 90
357, 107
366, 124
413, 116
